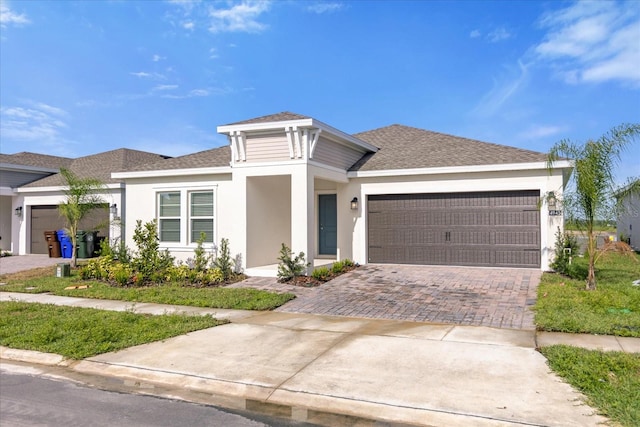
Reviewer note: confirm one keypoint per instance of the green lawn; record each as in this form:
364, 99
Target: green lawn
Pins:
609, 380
43, 280
612, 309
77, 333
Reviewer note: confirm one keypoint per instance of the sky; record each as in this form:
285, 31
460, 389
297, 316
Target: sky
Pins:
83, 77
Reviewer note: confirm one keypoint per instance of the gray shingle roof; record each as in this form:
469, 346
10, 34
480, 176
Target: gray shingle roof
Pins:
35, 160
215, 157
405, 147
278, 117
100, 166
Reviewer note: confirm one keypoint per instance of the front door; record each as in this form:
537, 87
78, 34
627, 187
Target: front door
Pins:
328, 224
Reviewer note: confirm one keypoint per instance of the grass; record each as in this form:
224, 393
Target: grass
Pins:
77, 333
43, 280
609, 380
612, 309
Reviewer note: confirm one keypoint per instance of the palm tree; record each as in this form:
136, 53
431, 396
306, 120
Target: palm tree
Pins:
81, 198
592, 194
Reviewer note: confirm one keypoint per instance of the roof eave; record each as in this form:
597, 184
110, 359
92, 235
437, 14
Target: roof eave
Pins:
460, 169
171, 172
60, 188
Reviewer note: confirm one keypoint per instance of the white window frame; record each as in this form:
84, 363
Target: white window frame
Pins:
192, 217
166, 217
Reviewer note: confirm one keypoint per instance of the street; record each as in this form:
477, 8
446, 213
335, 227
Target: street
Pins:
30, 400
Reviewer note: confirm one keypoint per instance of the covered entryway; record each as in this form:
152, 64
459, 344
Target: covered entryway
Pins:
46, 218
472, 229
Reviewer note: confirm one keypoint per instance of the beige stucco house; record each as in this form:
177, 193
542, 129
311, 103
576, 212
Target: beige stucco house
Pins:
628, 220
396, 194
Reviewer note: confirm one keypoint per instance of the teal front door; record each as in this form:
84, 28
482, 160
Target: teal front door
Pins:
328, 224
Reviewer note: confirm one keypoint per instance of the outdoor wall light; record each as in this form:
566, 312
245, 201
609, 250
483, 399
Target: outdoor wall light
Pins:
551, 200
354, 203
18, 211
113, 209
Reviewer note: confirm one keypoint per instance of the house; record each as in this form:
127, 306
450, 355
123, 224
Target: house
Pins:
628, 220
32, 189
396, 194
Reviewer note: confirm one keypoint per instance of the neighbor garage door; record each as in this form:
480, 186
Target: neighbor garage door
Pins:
476, 229
46, 218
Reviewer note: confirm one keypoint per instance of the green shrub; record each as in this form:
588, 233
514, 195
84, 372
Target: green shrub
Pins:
150, 262
321, 273
337, 267
348, 263
202, 259
121, 274
97, 268
566, 248
290, 266
223, 261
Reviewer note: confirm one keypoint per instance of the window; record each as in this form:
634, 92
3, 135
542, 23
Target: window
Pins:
169, 216
201, 214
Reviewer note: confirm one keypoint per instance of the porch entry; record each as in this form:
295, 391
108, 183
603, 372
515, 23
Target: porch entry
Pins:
328, 224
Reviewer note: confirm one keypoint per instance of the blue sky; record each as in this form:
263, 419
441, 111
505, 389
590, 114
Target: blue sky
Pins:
83, 77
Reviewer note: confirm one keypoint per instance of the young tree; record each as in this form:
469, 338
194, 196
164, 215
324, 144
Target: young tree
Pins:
591, 194
81, 198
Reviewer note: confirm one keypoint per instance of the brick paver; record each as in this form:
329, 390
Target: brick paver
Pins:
495, 297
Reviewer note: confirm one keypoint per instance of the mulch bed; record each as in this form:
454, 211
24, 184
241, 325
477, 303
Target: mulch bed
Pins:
312, 282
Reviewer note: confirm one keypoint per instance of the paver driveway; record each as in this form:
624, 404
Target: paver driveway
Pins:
496, 297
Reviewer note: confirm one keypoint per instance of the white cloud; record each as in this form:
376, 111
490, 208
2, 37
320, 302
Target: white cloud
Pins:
593, 42
241, 17
9, 17
213, 53
145, 75
199, 92
325, 7
165, 87
188, 25
39, 123
499, 34
475, 34
503, 90
542, 131
156, 58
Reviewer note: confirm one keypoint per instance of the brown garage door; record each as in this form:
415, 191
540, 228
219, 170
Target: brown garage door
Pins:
476, 229
46, 218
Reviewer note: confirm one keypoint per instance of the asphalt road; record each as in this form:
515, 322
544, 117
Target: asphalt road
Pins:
30, 400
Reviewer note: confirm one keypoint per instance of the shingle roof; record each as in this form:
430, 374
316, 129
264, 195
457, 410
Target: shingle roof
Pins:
100, 166
35, 160
215, 157
405, 147
278, 117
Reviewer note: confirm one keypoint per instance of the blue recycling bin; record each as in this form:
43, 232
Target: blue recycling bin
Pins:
66, 247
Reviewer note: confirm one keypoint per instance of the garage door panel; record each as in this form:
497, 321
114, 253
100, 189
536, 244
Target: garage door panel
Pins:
491, 228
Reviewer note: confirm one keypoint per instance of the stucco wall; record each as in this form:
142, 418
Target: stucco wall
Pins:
628, 222
6, 217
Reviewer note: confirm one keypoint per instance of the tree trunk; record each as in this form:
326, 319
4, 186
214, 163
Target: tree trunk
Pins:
591, 275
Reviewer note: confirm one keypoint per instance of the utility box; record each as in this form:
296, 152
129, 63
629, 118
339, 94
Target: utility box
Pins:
63, 270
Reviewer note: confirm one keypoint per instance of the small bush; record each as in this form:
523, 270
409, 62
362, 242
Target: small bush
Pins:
348, 263
202, 259
321, 273
223, 261
566, 248
150, 262
337, 267
290, 266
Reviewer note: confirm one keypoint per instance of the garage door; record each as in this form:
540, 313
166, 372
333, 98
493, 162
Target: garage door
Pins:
475, 229
46, 218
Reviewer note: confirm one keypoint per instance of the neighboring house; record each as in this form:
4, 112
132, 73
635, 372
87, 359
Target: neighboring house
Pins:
37, 199
396, 194
628, 221
17, 170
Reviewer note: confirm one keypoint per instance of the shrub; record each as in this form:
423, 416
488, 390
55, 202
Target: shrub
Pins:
150, 262
202, 259
223, 261
290, 266
97, 268
337, 267
121, 274
118, 251
348, 263
321, 273
566, 247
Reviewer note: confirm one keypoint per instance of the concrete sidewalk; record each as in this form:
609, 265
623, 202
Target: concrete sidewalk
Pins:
311, 367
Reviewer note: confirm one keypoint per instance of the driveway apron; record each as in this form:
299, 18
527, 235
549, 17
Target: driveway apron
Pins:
494, 297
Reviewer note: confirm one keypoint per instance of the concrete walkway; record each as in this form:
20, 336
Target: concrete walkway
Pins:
16, 263
316, 368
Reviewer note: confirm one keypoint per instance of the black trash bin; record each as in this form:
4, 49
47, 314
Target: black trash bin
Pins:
81, 242
53, 244
90, 239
